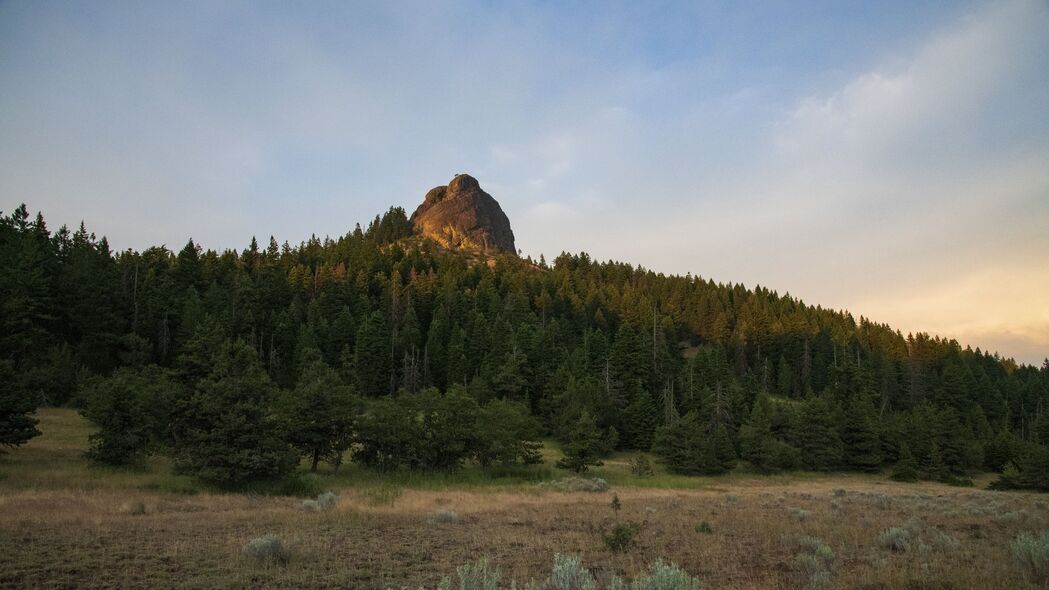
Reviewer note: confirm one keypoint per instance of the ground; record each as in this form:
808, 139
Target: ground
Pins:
66, 524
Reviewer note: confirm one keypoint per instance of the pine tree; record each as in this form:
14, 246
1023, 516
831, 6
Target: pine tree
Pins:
225, 431
859, 434
906, 468
132, 409
693, 446
756, 440
318, 414
372, 357
583, 447
17, 426
640, 420
820, 441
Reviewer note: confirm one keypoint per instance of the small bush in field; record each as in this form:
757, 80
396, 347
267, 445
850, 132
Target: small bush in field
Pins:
568, 573
267, 548
622, 536
479, 575
895, 539
814, 563
664, 576
705, 528
325, 501
577, 484
641, 466
443, 517
798, 514
839, 492
1032, 555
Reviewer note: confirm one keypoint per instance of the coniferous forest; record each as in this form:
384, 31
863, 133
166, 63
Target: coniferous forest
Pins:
381, 348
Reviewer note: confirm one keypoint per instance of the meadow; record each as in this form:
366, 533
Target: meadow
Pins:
67, 524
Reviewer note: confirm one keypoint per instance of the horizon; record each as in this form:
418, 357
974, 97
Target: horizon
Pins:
889, 161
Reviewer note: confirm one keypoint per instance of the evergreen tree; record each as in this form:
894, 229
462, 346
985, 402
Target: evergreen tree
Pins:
756, 439
17, 425
372, 357
225, 431
820, 441
583, 447
132, 409
692, 446
319, 413
906, 468
859, 434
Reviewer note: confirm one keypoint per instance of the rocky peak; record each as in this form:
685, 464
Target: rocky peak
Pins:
462, 216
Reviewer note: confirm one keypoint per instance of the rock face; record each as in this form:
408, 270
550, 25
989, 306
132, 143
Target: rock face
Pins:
462, 215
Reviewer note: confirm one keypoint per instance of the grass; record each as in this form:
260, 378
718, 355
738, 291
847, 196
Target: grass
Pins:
65, 524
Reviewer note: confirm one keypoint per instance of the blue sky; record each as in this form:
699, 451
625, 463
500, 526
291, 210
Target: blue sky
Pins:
891, 158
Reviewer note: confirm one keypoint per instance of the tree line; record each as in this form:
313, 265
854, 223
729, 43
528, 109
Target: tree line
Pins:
379, 338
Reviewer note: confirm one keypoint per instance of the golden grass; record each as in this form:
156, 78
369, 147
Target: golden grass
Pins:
109, 533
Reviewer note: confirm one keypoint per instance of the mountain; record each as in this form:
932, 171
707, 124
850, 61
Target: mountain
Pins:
462, 216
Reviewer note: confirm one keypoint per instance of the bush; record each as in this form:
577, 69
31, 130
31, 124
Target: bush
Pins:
1032, 554
577, 484
641, 466
895, 539
267, 548
442, 517
799, 515
664, 576
705, 528
622, 535
568, 573
479, 575
325, 501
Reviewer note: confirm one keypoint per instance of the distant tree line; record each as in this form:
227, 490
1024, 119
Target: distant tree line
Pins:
382, 344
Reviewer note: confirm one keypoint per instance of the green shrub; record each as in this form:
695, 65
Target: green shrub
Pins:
705, 528
622, 536
798, 514
1032, 554
267, 548
895, 539
641, 466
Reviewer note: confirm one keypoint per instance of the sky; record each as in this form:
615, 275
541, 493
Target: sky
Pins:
889, 158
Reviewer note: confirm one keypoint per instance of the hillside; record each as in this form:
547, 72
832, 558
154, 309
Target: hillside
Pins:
777, 382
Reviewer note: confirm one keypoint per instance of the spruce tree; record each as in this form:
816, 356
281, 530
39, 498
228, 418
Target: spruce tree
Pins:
906, 468
818, 435
318, 414
372, 357
860, 435
225, 431
583, 447
17, 425
756, 440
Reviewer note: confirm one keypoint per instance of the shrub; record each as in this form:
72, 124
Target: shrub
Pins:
664, 576
815, 562
1032, 554
839, 492
895, 539
622, 535
443, 517
568, 573
705, 528
577, 484
268, 547
325, 501
798, 514
479, 575
641, 466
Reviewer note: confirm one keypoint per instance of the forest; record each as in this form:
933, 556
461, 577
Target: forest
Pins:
380, 347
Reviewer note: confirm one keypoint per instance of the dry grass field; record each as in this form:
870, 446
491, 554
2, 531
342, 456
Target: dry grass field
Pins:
65, 524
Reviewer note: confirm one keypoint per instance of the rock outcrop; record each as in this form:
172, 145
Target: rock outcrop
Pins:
463, 216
